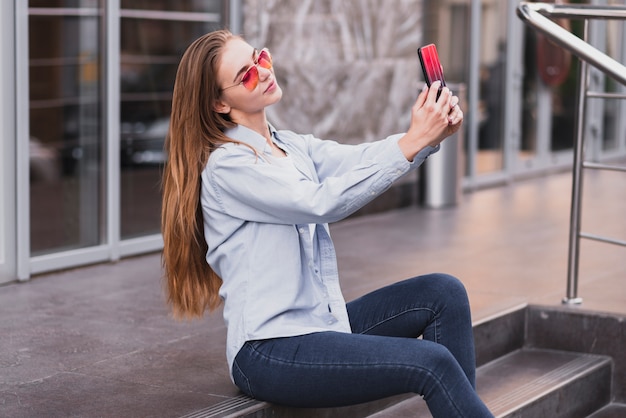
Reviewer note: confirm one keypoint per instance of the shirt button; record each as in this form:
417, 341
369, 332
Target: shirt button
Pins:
301, 230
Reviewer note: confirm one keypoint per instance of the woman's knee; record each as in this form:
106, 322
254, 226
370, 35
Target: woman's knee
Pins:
452, 284
442, 284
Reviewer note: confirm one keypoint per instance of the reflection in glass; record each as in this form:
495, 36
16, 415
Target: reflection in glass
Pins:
492, 87
614, 126
552, 72
528, 146
564, 111
151, 47
65, 126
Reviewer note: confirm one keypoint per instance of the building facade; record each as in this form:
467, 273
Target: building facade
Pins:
86, 91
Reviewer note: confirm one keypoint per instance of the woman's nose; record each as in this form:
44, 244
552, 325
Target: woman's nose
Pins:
264, 72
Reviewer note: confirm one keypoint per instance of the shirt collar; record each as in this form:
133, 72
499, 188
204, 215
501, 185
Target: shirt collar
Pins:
250, 137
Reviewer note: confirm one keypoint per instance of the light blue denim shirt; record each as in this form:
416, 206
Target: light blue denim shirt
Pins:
266, 226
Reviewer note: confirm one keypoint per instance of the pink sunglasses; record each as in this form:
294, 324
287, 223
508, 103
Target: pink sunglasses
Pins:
250, 78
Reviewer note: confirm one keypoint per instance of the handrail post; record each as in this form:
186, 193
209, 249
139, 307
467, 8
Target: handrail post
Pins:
577, 183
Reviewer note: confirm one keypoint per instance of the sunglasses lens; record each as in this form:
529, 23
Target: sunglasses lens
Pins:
265, 59
250, 78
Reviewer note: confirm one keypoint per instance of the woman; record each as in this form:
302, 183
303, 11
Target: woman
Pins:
245, 221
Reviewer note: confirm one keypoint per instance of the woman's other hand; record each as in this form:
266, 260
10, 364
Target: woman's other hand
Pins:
432, 120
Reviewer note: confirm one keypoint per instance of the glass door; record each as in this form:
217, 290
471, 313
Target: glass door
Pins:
549, 97
94, 83
66, 144
473, 37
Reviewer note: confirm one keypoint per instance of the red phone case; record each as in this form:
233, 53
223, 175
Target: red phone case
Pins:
433, 70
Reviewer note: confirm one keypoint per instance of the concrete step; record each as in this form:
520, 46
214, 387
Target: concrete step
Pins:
533, 383
612, 410
545, 383
244, 406
513, 378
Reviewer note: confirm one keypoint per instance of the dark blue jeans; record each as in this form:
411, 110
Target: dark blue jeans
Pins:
382, 357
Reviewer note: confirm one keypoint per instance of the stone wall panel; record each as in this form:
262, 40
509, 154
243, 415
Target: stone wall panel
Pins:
348, 69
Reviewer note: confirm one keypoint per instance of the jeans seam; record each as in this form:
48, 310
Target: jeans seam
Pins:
449, 398
279, 360
436, 315
245, 378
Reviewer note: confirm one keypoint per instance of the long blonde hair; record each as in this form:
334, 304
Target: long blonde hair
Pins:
195, 131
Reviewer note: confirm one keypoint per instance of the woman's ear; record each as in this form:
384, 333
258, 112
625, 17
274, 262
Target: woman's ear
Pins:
221, 107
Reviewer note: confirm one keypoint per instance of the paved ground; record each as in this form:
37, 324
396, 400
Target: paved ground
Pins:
98, 341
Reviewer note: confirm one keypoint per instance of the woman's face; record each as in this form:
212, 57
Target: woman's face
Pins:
248, 85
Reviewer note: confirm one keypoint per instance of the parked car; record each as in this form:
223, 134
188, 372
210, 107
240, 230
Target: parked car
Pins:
143, 144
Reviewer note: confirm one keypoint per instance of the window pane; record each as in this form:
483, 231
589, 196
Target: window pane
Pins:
151, 47
65, 126
492, 87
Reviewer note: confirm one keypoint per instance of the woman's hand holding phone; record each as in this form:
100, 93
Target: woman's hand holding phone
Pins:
434, 116
436, 113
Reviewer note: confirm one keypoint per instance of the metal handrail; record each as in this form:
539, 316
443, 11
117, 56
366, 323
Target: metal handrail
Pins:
536, 15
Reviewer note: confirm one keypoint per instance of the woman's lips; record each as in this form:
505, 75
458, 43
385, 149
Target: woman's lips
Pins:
271, 87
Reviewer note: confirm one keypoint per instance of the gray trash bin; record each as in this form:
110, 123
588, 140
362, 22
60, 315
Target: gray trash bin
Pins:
441, 174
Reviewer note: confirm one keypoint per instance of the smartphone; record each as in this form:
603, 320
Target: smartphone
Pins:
433, 70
